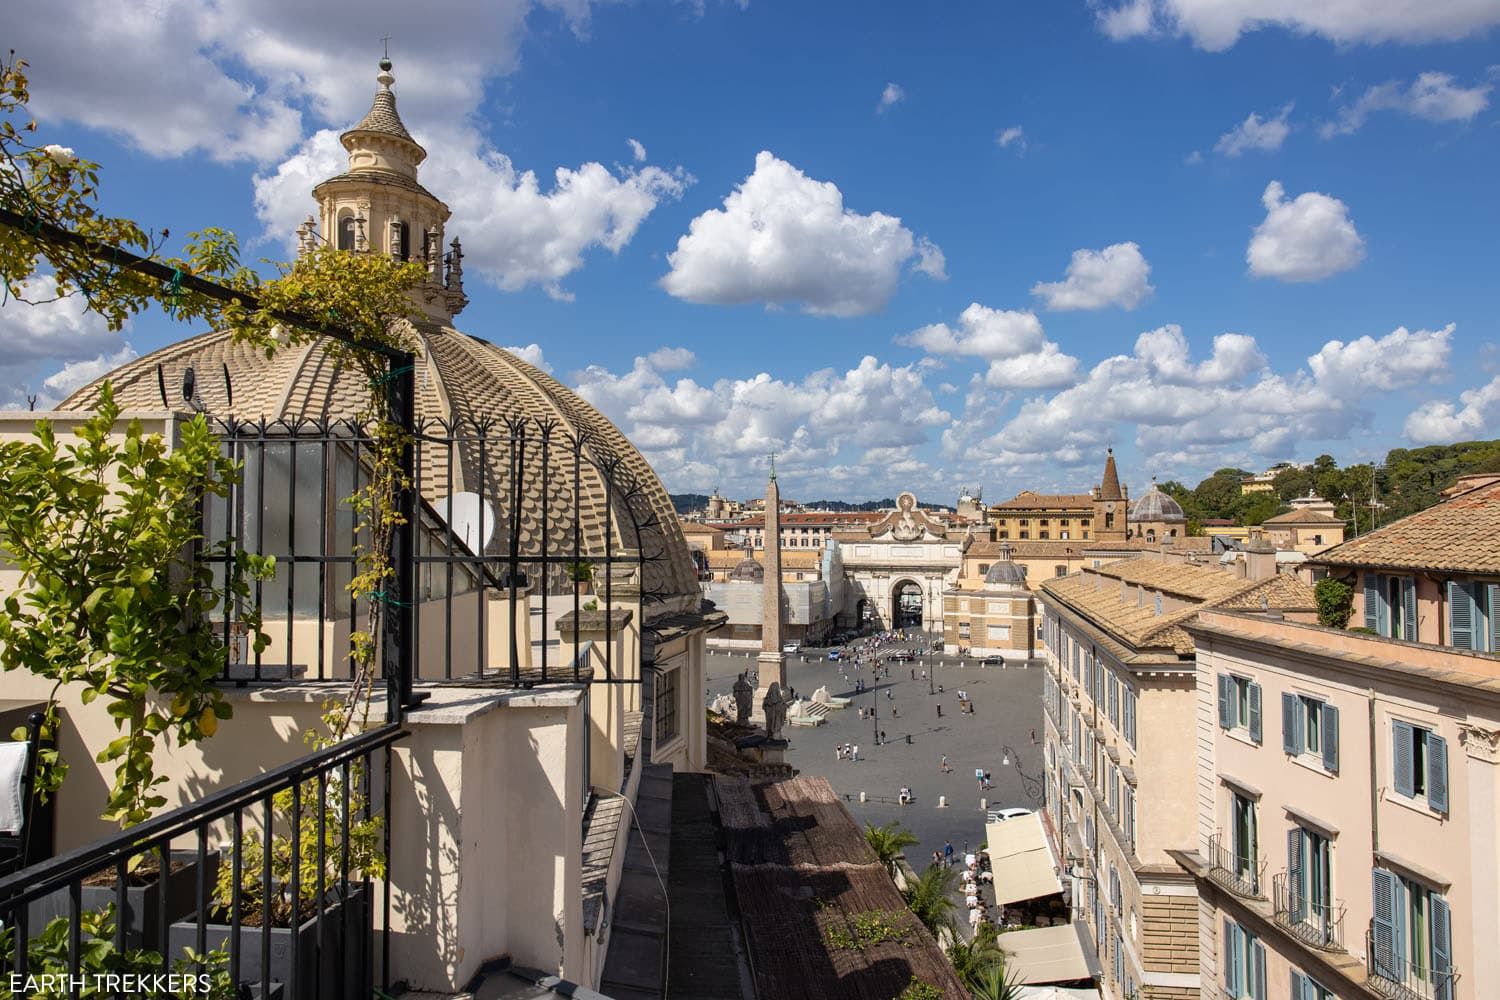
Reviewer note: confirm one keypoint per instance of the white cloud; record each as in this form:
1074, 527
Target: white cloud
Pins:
79, 373
1432, 97
783, 237
931, 260
1096, 279
637, 150
1215, 25
671, 359
1256, 134
1306, 239
1045, 368
1440, 422
891, 95
1013, 136
827, 420
1013, 342
532, 355
1200, 413
59, 329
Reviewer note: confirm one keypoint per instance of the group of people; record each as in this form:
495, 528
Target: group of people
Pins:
846, 751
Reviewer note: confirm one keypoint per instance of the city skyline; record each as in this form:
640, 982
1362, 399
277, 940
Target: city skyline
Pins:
904, 253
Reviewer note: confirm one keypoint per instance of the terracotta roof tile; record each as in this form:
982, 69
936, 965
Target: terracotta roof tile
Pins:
1303, 516
1461, 535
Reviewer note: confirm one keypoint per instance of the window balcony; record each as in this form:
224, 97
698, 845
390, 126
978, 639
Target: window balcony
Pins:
1391, 975
1318, 925
1241, 874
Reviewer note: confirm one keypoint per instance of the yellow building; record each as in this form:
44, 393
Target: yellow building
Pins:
1098, 516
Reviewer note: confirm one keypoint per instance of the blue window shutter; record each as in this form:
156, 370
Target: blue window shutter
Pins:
1442, 949
1294, 897
1226, 706
1257, 969
1492, 609
1231, 957
1331, 738
1401, 761
1289, 708
1372, 602
1383, 924
1461, 616
1299, 986
1437, 772
1254, 721
1128, 710
1409, 609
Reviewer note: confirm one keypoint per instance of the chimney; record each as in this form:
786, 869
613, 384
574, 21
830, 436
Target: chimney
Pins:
1260, 556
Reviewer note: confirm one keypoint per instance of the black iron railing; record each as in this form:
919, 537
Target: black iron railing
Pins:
1393, 975
1236, 869
519, 525
1319, 924
190, 893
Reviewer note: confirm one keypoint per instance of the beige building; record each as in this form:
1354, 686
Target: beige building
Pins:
1304, 530
1119, 697
997, 618
808, 530
1097, 516
896, 569
1348, 794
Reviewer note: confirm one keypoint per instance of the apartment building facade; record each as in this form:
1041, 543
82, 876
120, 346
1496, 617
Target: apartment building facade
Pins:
1119, 698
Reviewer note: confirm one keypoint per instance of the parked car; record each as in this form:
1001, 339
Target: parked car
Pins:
791, 647
1000, 815
835, 654
992, 661
900, 658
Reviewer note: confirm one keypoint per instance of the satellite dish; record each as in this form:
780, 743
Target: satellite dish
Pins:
472, 520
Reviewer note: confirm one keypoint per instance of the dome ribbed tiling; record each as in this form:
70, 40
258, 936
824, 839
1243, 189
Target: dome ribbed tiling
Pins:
1154, 505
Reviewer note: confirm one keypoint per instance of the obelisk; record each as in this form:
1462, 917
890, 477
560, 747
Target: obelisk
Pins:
771, 662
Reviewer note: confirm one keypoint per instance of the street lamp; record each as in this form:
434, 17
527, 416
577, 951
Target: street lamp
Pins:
1032, 786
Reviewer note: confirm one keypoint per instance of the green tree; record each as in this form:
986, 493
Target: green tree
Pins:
1217, 495
970, 957
1335, 602
931, 896
888, 842
993, 981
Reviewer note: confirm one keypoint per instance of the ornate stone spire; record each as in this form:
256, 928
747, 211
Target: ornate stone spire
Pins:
383, 120
1110, 488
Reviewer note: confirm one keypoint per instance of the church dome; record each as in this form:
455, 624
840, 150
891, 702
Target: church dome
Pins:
748, 571
467, 391
1005, 573
1155, 506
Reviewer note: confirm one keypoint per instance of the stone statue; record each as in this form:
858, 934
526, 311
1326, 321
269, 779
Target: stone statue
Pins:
775, 704
743, 695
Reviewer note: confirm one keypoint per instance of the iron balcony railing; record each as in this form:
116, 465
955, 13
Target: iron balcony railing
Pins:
1318, 924
302, 927
1241, 873
1392, 975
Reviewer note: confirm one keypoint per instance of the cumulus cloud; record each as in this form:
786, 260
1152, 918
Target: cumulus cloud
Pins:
1256, 134
58, 329
637, 150
785, 238
532, 355
1216, 25
1433, 97
1013, 136
892, 94
1308, 238
1477, 415
671, 359
1013, 342
829, 419
1198, 412
1097, 279
75, 374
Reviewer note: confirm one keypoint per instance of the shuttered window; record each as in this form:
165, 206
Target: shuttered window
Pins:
1419, 764
1240, 705
1244, 963
1129, 713
1474, 615
1391, 606
1411, 933
1310, 726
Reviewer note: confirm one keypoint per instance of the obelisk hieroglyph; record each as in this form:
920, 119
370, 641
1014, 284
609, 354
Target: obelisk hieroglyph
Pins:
772, 662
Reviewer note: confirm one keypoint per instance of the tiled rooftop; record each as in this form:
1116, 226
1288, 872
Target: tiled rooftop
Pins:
1461, 535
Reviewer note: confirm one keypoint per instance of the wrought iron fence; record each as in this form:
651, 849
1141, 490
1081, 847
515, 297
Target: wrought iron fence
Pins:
519, 528
272, 884
1393, 975
1320, 924
1235, 869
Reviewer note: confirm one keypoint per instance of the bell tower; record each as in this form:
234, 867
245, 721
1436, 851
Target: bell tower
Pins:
378, 206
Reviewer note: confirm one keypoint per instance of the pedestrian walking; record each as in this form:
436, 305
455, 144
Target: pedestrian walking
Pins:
948, 853
913, 673
895, 712
890, 694
940, 711
944, 765
882, 737
855, 757
979, 777
1033, 736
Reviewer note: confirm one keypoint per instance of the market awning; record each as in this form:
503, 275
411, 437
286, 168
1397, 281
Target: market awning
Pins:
1059, 954
1021, 860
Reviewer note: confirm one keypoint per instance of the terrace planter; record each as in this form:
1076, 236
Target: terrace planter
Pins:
142, 915
340, 970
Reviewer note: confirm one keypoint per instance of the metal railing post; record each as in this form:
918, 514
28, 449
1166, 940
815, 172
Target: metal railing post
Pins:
400, 610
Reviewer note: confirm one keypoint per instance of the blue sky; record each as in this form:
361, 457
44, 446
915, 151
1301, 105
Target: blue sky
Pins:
906, 249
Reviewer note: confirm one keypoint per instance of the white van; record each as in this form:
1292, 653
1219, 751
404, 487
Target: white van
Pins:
791, 647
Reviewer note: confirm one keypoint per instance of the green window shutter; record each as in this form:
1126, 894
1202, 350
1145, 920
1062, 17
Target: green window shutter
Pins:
1231, 957
1383, 925
1462, 633
1437, 772
1409, 609
1492, 609
1401, 762
1254, 720
1442, 949
1289, 708
1257, 969
1330, 735
1372, 602
1296, 902
1300, 986
1226, 702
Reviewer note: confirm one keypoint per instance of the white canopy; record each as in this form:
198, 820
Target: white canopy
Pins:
1021, 860
1050, 954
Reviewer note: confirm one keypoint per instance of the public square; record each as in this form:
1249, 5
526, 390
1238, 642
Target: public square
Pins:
1007, 708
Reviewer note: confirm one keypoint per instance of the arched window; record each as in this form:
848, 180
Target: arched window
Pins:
346, 233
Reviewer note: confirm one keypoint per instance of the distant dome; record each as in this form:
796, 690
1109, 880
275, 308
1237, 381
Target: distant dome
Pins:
1005, 573
748, 571
1156, 506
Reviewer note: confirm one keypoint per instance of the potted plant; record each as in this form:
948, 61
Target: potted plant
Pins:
329, 915
582, 575
143, 896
